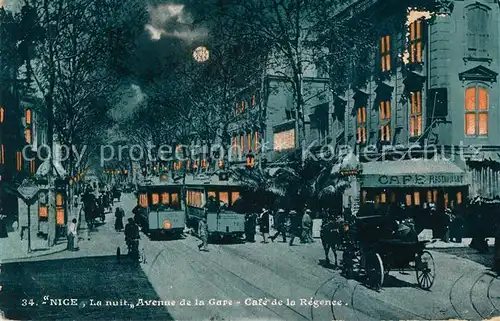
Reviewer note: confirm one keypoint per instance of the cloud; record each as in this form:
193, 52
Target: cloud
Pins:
171, 20
132, 97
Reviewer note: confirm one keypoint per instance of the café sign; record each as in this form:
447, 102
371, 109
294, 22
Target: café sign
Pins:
414, 180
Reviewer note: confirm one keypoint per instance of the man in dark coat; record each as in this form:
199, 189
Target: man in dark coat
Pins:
250, 225
295, 225
264, 224
280, 222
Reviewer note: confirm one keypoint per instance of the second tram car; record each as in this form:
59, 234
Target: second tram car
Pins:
217, 198
161, 209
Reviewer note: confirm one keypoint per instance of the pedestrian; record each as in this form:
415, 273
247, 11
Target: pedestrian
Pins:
250, 225
72, 236
3, 223
280, 222
307, 227
445, 225
23, 223
295, 226
119, 214
264, 224
203, 232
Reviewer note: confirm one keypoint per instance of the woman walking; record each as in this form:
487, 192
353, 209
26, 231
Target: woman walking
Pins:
119, 214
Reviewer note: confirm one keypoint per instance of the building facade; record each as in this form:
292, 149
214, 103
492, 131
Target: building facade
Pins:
430, 92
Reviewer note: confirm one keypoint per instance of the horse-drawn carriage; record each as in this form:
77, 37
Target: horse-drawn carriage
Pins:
375, 245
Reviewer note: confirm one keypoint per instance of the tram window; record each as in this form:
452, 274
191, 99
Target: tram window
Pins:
143, 200
445, 200
435, 195
429, 196
224, 197
155, 199
416, 196
212, 194
234, 197
383, 198
363, 197
408, 199
459, 198
175, 198
164, 198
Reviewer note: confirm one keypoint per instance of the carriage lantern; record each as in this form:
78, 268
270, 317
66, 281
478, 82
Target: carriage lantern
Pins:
250, 159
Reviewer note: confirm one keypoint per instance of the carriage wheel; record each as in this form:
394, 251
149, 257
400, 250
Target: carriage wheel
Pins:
426, 270
375, 271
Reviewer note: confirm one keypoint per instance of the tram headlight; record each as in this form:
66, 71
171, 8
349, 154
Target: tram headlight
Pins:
167, 224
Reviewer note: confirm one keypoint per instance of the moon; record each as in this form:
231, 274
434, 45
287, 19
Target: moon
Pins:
201, 54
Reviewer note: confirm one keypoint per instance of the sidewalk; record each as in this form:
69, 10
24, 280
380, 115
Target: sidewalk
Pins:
438, 244
14, 249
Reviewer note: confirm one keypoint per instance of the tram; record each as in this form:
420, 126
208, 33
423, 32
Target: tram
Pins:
160, 209
217, 197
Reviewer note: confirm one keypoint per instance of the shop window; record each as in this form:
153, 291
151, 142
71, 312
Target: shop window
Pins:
234, 197
435, 195
224, 197
408, 199
385, 133
383, 198
459, 198
60, 216
429, 196
212, 194
164, 198
174, 198
256, 141
143, 200
59, 199
377, 199
476, 111
385, 53
155, 199
242, 143
362, 124
445, 198
385, 110
249, 141
43, 212
32, 167
284, 140
416, 42
393, 197
363, 197
416, 198
2, 114
416, 114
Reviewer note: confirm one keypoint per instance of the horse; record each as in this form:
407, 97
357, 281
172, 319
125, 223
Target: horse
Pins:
331, 238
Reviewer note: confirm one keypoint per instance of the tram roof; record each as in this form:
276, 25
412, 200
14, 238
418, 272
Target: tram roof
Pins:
210, 180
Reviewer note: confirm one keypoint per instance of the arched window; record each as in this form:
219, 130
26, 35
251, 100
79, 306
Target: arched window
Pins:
476, 111
477, 29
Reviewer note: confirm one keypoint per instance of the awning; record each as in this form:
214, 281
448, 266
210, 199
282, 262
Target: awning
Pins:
412, 173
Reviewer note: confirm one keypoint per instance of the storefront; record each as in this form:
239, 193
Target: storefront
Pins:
414, 183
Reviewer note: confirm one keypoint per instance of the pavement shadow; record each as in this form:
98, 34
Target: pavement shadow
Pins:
226, 241
165, 237
328, 265
117, 285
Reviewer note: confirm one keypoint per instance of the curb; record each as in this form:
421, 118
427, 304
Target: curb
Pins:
13, 260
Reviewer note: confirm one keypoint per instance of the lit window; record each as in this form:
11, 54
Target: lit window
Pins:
242, 143
235, 144
416, 196
284, 140
377, 199
164, 198
383, 198
32, 166
435, 195
28, 135
224, 197
237, 109
385, 110
234, 197
28, 116
143, 200
361, 133
212, 194
249, 141
2, 154
175, 198
408, 199
60, 216
385, 53
429, 196
476, 111
43, 212
254, 101
363, 196
19, 161
459, 198
416, 114
416, 42
2, 114
385, 133
59, 199
243, 106
256, 142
